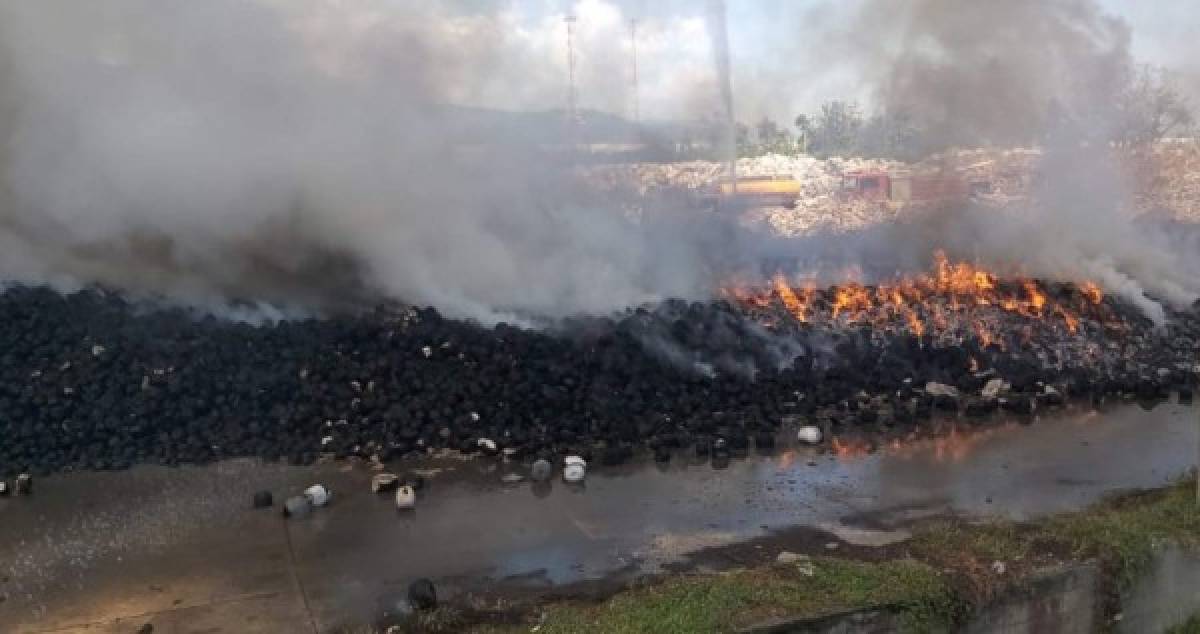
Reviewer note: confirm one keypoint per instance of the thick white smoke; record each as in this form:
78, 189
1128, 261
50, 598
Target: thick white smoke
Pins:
301, 153
1056, 74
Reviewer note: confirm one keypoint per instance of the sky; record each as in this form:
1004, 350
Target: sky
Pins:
782, 64
287, 150
1163, 30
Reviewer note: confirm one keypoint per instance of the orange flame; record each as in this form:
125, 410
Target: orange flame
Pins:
850, 298
942, 301
1070, 320
797, 307
914, 323
1036, 300
743, 296
961, 278
1092, 292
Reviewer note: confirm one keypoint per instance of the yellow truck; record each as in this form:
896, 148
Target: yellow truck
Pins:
781, 190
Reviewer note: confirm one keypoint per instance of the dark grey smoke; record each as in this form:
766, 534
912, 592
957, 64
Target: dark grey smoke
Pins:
988, 72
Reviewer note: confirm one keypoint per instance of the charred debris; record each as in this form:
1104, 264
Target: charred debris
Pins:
91, 381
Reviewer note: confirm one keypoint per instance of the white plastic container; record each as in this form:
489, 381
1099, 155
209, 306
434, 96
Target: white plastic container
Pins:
406, 498
809, 434
297, 506
318, 495
575, 469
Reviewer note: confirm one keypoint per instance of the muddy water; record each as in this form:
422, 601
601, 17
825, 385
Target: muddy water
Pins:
89, 548
647, 514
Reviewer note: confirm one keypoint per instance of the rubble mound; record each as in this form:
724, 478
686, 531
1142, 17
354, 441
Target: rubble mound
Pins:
1167, 176
1165, 179
817, 209
90, 381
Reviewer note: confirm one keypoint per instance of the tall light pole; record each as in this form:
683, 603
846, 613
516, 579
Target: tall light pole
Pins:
633, 44
718, 31
572, 96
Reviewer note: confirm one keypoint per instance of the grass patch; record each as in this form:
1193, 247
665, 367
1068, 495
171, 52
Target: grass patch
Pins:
933, 580
717, 603
1122, 533
1125, 532
1191, 626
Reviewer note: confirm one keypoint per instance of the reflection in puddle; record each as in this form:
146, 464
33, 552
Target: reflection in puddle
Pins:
951, 442
945, 441
469, 525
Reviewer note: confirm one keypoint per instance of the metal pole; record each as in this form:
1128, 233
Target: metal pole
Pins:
633, 44
573, 133
718, 30
572, 96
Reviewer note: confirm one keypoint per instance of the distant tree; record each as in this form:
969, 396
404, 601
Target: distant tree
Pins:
769, 138
1150, 108
784, 142
1141, 105
891, 135
741, 135
804, 128
834, 131
767, 131
712, 133
839, 124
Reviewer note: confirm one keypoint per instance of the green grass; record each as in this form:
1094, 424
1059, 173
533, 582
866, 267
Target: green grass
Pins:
1124, 533
717, 603
932, 581
1191, 626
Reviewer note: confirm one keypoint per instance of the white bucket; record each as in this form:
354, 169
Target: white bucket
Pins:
318, 495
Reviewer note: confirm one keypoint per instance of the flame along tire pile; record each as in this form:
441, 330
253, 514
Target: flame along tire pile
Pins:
88, 381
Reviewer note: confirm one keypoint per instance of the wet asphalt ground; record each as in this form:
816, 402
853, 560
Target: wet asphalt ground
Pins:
181, 548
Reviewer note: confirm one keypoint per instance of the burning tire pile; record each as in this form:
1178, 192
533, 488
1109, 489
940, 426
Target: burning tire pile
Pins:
90, 381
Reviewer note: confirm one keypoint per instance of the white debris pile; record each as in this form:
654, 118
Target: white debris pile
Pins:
818, 177
1167, 177
1007, 172
817, 209
645, 178
824, 215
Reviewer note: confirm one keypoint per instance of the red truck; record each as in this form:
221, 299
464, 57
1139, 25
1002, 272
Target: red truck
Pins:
902, 187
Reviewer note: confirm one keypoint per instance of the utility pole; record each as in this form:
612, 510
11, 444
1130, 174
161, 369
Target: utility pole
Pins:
718, 31
572, 96
633, 43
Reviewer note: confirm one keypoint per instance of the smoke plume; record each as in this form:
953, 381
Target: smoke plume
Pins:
993, 73
311, 155
1055, 74
303, 154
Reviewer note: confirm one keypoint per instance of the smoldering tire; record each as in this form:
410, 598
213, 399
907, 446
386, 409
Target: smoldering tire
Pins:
89, 381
